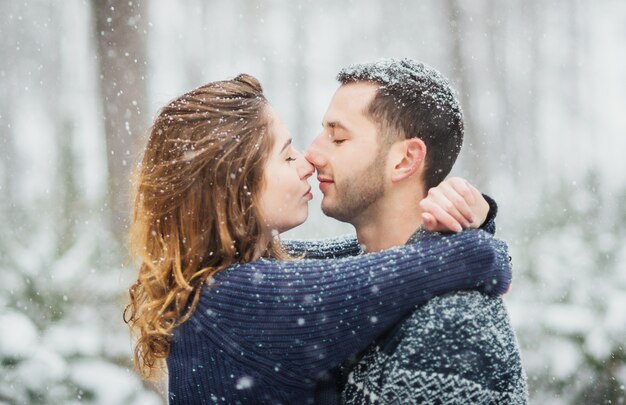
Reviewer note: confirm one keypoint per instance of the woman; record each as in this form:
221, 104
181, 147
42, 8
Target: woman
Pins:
238, 319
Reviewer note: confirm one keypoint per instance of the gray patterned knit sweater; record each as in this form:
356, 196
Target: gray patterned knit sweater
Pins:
456, 349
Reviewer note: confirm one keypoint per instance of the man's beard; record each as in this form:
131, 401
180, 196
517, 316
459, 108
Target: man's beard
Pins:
357, 193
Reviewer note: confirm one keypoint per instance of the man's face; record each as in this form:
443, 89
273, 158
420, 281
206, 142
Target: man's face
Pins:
350, 165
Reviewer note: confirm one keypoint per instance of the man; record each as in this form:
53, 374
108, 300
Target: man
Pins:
394, 129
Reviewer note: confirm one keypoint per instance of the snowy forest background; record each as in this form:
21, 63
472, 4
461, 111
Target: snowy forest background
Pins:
542, 83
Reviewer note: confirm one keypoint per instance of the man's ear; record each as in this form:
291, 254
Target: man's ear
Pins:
408, 157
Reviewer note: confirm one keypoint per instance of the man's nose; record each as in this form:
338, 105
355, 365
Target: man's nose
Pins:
315, 153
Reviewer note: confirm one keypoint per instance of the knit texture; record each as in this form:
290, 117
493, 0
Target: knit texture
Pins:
264, 332
329, 248
457, 349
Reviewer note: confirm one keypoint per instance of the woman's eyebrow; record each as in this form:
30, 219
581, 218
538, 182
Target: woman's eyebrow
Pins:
285, 145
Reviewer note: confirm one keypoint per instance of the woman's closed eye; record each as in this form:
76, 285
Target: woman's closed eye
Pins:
338, 141
290, 159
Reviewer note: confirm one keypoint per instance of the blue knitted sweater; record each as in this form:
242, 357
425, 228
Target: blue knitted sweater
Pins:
264, 332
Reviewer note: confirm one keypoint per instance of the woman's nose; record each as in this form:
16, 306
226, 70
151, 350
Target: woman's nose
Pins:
306, 169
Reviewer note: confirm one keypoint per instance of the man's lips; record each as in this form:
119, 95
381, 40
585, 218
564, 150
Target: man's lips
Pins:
325, 182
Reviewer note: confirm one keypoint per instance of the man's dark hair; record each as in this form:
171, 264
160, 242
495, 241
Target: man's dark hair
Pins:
414, 101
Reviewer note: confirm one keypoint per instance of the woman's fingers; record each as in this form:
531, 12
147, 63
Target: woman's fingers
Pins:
460, 196
453, 203
464, 188
437, 219
447, 199
430, 223
480, 208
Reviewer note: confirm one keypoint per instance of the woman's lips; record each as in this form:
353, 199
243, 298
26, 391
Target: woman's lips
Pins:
308, 195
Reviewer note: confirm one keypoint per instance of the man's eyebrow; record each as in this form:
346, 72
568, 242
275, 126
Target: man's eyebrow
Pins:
285, 145
335, 124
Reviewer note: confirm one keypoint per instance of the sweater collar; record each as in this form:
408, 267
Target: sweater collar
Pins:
418, 235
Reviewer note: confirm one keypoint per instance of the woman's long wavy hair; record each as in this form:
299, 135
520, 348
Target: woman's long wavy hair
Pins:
196, 206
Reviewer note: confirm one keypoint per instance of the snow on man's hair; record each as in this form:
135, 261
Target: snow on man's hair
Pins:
407, 77
414, 101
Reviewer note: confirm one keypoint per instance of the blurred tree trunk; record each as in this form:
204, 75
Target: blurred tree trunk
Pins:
497, 40
533, 163
475, 148
7, 146
301, 74
8, 77
253, 35
197, 14
121, 50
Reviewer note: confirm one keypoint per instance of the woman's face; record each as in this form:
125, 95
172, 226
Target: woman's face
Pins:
286, 193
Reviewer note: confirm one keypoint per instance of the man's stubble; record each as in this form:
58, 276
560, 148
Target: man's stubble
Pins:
356, 193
